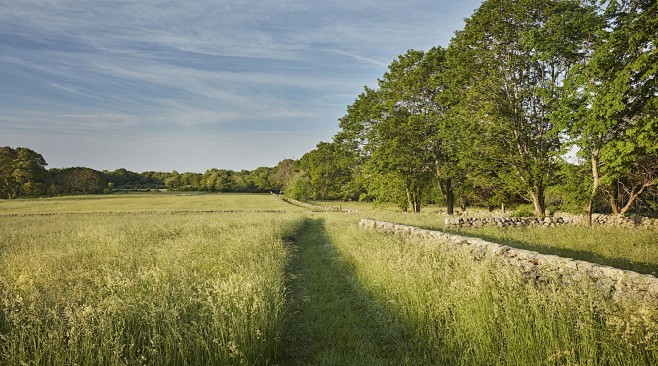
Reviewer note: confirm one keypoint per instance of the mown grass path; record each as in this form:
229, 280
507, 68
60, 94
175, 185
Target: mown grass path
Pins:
333, 321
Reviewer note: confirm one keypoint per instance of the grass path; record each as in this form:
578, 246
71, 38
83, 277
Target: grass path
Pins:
333, 320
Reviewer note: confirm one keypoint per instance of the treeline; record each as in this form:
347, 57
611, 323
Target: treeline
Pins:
549, 102
23, 173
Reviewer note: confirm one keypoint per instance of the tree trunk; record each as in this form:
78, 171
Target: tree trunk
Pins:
416, 198
595, 186
9, 190
413, 201
588, 212
409, 203
614, 204
537, 195
502, 207
450, 197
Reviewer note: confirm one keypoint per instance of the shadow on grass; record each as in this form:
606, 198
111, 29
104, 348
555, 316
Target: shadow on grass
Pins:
583, 255
333, 320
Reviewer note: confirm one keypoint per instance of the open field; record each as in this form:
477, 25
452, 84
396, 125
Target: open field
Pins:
142, 288
146, 202
167, 282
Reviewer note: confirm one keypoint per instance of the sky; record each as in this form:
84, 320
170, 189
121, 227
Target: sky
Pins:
163, 85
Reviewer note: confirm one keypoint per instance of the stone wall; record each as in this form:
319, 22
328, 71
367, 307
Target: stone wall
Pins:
316, 208
563, 219
613, 282
620, 220
507, 221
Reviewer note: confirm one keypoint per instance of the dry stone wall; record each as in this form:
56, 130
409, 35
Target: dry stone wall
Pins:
597, 220
613, 282
507, 221
313, 207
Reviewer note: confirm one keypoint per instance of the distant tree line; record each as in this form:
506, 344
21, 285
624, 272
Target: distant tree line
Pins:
23, 173
549, 102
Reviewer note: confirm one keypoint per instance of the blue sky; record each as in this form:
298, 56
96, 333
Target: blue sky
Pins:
192, 85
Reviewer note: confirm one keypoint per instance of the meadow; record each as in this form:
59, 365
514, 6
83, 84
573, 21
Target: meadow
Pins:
142, 288
219, 279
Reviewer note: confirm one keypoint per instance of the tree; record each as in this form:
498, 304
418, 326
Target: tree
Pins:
22, 172
298, 186
399, 131
611, 113
509, 64
416, 85
328, 170
8, 184
282, 174
78, 180
259, 179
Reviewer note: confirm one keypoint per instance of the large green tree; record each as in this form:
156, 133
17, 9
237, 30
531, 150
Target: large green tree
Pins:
282, 174
328, 167
612, 108
22, 172
508, 67
399, 131
78, 180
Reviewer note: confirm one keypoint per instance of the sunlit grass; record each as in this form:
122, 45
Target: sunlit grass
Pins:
139, 202
633, 249
162, 284
143, 289
462, 312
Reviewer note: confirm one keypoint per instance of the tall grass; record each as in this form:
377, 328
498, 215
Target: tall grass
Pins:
461, 312
139, 202
172, 288
143, 289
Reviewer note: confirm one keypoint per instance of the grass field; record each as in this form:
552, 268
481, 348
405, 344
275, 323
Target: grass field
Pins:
146, 202
159, 289
166, 279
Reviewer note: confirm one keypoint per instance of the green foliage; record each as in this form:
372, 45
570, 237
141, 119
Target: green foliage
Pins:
123, 179
330, 169
22, 173
299, 186
282, 173
611, 112
395, 131
78, 181
508, 72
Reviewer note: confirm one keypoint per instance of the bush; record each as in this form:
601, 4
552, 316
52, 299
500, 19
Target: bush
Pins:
524, 211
